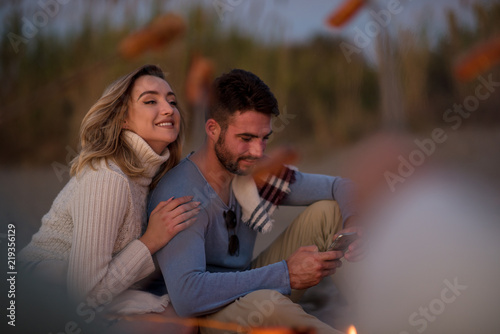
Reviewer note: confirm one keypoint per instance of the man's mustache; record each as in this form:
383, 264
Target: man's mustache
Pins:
248, 157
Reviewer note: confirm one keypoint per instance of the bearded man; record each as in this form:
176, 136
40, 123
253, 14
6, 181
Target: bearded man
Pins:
208, 268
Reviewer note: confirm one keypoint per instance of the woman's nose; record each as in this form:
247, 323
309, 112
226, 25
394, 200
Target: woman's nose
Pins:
166, 109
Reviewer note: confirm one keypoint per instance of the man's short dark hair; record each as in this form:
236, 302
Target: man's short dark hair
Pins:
240, 90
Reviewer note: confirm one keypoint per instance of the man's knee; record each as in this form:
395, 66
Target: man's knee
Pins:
323, 218
325, 207
325, 212
264, 308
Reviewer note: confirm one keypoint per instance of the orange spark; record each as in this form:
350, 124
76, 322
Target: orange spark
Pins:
479, 59
198, 80
344, 13
162, 31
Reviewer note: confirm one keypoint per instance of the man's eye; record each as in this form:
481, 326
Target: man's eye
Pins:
246, 139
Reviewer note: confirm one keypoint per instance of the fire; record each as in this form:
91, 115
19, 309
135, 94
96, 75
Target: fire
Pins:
282, 330
352, 330
234, 328
276, 330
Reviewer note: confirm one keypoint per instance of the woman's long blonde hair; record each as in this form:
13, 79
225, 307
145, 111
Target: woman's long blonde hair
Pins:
101, 133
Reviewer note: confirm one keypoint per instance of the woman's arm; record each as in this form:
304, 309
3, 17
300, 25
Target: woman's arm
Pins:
99, 208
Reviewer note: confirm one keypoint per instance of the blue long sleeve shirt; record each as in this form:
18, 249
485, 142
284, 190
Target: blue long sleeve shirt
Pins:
200, 274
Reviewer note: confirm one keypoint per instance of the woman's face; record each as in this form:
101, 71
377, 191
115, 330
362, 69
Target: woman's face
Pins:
152, 112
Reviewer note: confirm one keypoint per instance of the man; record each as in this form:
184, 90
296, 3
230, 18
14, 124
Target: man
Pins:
208, 268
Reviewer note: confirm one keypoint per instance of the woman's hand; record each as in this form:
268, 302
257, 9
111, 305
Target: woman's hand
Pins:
167, 219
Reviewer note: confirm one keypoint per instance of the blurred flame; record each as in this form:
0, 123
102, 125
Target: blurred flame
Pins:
352, 330
189, 322
274, 330
344, 13
477, 60
379, 151
208, 323
281, 330
273, 163
162, 31
199, 79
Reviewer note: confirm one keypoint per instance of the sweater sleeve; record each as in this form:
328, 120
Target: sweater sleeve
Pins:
99, 208
310, 188
194, 291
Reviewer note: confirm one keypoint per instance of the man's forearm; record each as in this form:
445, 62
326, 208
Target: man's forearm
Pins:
194, 291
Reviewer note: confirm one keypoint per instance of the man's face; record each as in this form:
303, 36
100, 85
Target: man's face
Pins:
244, 141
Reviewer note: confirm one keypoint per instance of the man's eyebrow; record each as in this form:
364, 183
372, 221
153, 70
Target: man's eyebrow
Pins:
251, 135
245, 134
154, 92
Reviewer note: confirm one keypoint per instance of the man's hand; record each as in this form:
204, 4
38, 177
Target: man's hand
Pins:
307, 266
355, 252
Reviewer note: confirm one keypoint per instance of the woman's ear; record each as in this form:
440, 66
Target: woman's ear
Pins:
212, 128
124, 124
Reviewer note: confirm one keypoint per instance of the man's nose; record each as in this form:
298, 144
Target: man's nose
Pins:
257, 148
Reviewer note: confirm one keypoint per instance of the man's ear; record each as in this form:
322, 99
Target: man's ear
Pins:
213, 129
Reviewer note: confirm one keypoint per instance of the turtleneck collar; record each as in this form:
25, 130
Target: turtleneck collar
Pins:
151, 161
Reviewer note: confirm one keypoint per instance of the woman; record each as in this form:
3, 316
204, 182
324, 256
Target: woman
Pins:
91, 238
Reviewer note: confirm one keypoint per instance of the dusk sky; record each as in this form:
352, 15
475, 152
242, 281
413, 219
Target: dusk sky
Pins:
296, 20
278, 20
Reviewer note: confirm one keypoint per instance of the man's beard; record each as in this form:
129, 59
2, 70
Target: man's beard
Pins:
229, 161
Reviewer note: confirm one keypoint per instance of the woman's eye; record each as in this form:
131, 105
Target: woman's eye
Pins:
173, 103
150, 102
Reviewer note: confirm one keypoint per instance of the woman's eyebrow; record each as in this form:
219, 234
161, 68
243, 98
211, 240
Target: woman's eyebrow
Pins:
154, 92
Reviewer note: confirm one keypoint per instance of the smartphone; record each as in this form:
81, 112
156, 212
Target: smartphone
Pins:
342, 241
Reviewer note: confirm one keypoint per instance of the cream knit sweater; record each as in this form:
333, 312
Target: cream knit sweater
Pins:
91, 230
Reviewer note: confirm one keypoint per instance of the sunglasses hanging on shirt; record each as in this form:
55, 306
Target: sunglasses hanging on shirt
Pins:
234, 243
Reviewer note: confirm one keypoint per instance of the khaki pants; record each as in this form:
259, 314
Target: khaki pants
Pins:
315, 226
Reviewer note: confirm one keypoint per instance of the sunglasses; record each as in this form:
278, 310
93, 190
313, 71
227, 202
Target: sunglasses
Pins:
234, 243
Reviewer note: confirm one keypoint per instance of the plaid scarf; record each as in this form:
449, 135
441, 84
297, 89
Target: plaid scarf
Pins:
259, 202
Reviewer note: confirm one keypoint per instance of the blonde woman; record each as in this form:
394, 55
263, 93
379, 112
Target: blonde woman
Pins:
91, 240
